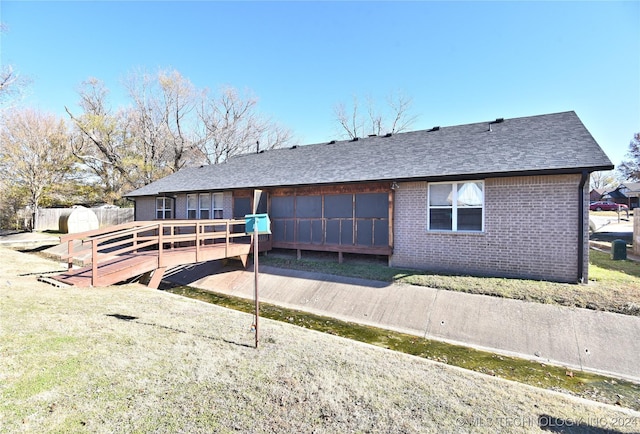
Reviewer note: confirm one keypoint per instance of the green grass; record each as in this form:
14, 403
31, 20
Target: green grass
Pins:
56, 364
614, 285
603, 268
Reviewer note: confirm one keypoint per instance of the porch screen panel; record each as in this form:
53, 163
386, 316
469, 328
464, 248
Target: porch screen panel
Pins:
364, 232
309, 206
241, 207
372, 205
304, 231
309, 219
338, 206
354, 220
333, 232
281, 207
289, 231
381, 232
282, 218
346, 232
317, 235
372, 213
338, 209
282, 230
278, 230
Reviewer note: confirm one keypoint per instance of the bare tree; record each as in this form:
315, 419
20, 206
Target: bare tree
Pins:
180, 100
165, 123
233, 126
603, 180
12, 84
35, 153
630, 167
396, 118
102, 142
171, 124
350, 120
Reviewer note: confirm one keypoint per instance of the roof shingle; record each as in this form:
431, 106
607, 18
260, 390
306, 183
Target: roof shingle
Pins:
552, 143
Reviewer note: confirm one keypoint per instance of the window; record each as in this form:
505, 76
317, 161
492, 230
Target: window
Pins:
218, 199
456, 206
199, 206
204, 205
192, 206
164, 208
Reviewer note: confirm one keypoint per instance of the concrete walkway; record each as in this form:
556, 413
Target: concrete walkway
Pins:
579, 339
27, 240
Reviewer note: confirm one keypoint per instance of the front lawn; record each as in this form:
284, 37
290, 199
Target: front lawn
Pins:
131, 359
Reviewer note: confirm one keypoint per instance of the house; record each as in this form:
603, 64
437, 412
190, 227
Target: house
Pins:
627, 194
596, 194
481, 198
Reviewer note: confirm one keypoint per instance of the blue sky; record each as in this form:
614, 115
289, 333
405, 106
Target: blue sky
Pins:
461, 62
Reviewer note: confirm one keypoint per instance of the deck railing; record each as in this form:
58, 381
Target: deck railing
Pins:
156, 237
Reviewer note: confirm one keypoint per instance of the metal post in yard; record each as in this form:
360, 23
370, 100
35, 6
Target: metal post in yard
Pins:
255, 275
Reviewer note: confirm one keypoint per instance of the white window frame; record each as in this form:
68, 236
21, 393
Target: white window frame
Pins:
164, 208
195, 206
454, 206
217, 205
202, 208
192, 206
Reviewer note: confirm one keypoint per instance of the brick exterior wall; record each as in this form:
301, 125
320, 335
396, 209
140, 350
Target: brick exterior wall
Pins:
180, 207
530, 231
227, 205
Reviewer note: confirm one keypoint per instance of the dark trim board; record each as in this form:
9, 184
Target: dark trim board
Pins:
384, 250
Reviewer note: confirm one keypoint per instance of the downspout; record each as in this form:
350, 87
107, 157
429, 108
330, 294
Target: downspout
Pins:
581, 210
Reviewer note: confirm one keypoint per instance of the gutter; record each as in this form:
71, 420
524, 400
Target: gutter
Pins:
581, 210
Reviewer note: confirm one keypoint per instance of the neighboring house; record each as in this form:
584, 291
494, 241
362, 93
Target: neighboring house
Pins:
626, 193
596, 194
480, 198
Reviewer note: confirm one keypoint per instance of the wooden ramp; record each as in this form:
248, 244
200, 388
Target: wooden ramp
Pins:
148, 249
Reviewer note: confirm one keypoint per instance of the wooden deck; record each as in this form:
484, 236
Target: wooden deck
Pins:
148, 249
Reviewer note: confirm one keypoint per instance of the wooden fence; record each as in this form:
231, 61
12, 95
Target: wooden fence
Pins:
48, 219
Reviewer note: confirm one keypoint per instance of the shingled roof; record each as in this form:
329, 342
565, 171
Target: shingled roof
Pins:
544, 144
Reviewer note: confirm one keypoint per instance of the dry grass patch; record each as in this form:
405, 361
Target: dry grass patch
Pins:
131, 359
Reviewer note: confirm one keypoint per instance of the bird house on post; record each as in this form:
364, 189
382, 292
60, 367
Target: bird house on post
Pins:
257, 222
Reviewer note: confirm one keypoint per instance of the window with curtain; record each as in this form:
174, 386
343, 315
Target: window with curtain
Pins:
204, 206
192, 206
456, 206
218, 200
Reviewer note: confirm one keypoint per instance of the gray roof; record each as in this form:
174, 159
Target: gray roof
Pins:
632, 186
552, 143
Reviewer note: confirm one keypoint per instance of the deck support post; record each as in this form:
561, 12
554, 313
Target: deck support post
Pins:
156, 278
70, 253
244, 259
94, 262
